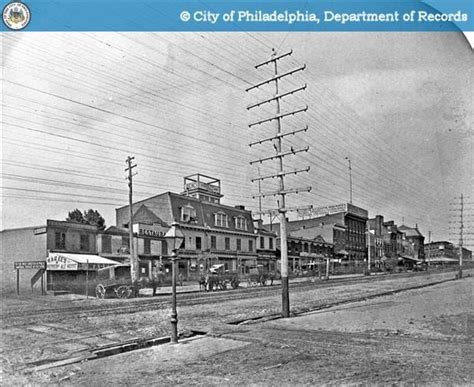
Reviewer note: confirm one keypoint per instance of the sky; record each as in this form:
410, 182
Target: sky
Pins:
398, 105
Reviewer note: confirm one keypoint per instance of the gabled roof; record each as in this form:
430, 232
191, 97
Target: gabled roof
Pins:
114, 230
410, 231
144, 215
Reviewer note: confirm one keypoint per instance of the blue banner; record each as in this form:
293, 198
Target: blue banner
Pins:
243, 15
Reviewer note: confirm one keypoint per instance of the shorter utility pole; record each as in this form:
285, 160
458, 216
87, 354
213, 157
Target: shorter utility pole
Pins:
461, 237
133, 257
368, 247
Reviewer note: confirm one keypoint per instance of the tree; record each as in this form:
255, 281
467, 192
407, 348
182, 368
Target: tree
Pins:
90, 216
94, 218
75, 216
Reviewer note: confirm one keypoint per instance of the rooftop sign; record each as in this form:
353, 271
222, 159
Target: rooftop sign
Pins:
338, 208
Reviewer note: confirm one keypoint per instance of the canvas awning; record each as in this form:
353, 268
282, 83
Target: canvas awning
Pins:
75, 262
408, 258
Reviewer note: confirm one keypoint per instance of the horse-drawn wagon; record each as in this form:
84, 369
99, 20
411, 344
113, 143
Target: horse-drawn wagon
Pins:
116, 280
217, 278
257, 276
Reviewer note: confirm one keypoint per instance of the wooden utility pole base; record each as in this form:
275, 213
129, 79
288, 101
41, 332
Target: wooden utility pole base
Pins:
285, 297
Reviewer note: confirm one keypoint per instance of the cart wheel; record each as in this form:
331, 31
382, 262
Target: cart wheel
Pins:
223, 285
123, 291
235, 284
100, 291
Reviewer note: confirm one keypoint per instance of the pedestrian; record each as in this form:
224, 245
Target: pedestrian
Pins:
180, 279
155, 279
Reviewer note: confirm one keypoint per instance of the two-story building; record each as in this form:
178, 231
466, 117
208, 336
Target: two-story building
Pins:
68, 248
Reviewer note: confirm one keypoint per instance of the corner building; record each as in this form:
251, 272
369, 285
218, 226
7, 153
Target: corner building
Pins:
214, 233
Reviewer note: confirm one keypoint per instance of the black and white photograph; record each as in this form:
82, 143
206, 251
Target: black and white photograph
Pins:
236, 208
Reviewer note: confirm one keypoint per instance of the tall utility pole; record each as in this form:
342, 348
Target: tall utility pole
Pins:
133, 256
278, 156
350, 179
461, 224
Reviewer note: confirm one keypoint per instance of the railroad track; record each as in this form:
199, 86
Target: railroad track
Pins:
101, 308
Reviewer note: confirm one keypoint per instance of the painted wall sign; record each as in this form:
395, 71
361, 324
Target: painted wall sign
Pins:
149, 230
60, 262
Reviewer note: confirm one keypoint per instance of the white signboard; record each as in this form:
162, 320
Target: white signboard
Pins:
338, 208
59, 262
150, 230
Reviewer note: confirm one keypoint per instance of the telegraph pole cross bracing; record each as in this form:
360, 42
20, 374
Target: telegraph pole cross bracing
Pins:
279, 155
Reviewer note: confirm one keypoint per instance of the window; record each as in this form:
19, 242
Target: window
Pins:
220, 219
106, 244
147, 246
60, 240
270, 242
125, 245
239, 244
188, 214
198, 243
240, 223
213, 242
227, 243
251, 245
262, 242
84, 245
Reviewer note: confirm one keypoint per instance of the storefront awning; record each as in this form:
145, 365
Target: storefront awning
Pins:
408, 258
74, 262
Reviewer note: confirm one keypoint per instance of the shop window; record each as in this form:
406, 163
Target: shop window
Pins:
213, 242
84, 242
60, 240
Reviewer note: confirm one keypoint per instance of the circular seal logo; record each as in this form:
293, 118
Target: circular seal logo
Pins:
16, 15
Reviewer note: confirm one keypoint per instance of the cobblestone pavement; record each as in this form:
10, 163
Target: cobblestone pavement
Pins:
65, 338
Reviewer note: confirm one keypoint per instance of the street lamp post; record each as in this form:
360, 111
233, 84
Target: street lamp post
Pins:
175, 238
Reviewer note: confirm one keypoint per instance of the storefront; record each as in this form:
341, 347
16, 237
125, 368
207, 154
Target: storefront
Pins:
70, 272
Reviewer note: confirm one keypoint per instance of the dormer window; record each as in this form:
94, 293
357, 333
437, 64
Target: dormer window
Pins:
188, 214
220, 219
240, 223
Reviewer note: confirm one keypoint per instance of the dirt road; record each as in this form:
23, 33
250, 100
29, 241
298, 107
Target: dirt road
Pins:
419, 336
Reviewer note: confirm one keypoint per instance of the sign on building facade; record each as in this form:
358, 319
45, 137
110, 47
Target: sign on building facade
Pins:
31, 265
338, 208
